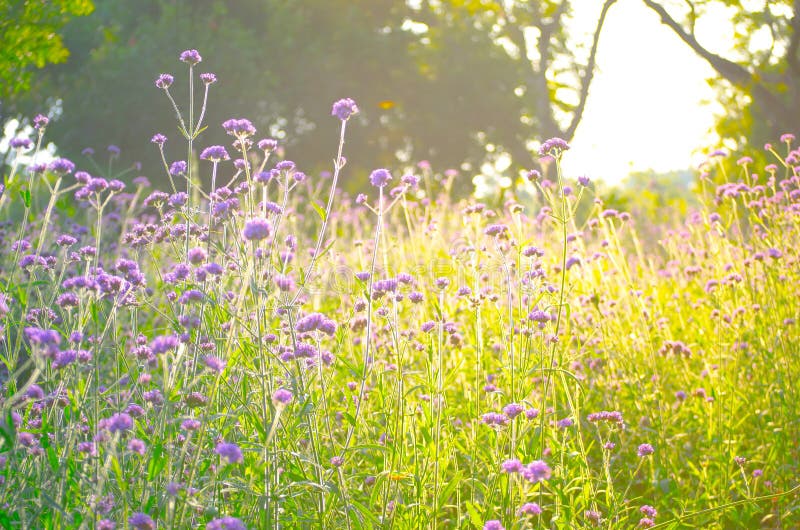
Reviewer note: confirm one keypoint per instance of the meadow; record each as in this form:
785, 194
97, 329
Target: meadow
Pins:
252, 348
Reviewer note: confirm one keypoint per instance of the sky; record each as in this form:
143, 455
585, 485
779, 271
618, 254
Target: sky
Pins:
647, 105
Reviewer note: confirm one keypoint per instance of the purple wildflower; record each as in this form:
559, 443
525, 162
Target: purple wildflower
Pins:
529, 508
267, 144
512, 465
606, 416
282, 397
177, 168
208, 78
215, 363
40, 121
649, 511
141, 521
190, 57
427, 327
119, 422
316, 321
512, 410
20, 143
214, 153
380, 178
241, 128
645, 450
164, 343
137, 446
494, 524
226, 523
61, 165
496, 230
230, 452
344, 109
257, 229
564, 423
537, 471
553, 147
494, 419
164, 81
593, 516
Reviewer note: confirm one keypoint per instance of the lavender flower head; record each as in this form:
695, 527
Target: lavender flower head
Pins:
226, 523
512, 465
344, 109
494, 524
257, 229
40, 121
537, 471
164, 81
553, 147
267, 144
190, 57
159, 139
120, 422
177, 168
282, 397
61, 165
208, 78
240, 128
529, 508
20, 143
141, 521
230, 452
214, 153
380, 178
645, 450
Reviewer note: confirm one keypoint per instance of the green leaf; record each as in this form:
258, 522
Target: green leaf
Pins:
8, 433
474, 516
317, 208
157, 461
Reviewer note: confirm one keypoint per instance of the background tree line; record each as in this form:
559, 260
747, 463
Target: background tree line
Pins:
436, 80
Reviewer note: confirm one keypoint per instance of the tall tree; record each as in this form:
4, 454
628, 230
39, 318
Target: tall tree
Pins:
759, 81
30, 37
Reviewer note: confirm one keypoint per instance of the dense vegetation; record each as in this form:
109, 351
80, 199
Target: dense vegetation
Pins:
250, 347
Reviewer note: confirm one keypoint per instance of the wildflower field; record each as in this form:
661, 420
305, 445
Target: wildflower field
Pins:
250, 347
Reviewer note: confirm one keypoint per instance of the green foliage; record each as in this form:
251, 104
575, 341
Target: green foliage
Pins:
29, 38
758, 81
434, 81
652, 195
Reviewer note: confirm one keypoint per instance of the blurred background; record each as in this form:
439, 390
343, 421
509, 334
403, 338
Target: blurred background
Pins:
644, 90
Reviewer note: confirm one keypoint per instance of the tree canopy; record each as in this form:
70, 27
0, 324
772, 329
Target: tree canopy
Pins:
29, 37
758, 79
434, 80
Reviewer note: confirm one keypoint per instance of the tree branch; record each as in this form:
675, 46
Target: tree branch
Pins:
588, 74
729, 70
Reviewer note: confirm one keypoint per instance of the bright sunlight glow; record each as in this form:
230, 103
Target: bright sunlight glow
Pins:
648, 106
